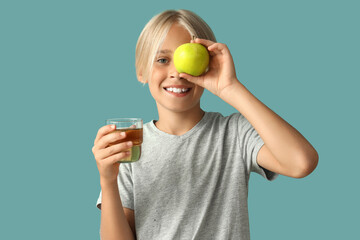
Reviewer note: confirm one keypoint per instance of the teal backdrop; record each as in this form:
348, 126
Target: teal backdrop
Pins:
66, 66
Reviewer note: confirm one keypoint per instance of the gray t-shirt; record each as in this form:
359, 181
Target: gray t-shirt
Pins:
193, 186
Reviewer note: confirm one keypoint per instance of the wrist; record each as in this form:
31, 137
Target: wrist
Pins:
107, 183
239, 97
231, 90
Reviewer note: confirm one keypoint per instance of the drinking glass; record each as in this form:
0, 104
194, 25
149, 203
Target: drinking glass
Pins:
133, 127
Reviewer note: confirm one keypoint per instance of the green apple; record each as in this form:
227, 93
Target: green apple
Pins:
191, 58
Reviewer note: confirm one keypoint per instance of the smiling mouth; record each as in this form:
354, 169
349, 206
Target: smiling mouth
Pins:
177, 90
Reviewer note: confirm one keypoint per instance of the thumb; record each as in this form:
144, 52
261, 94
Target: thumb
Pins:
196, 80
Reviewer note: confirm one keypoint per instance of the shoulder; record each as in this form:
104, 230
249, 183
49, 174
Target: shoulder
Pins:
217, 124
148, 124
233, 126
219, 119
149, 128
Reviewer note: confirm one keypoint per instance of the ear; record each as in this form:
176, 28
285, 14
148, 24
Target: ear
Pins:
140, 78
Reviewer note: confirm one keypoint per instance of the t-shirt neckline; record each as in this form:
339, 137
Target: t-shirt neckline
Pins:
197, 126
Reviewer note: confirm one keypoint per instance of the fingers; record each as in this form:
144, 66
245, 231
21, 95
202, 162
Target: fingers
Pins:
214, 48
205, 42
196, 80
116, 157
103, 131
219, 48
111, 137
108, 157
106, 165
113, 150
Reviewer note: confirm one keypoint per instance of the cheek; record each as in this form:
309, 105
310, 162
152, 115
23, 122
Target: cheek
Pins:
152, 88
157, 76
198, 92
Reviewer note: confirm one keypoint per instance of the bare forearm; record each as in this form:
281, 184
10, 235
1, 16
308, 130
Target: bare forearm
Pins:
283, 140
114, 224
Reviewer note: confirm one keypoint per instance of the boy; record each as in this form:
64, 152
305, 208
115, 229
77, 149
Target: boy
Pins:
192, 179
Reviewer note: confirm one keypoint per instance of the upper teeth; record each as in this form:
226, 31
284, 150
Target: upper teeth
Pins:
177, 90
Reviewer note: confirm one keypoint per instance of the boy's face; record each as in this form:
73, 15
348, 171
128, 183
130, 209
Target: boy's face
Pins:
169, 91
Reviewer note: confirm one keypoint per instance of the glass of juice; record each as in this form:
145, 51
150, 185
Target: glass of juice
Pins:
134, 132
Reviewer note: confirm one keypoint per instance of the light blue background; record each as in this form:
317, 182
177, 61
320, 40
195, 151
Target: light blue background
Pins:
66, 66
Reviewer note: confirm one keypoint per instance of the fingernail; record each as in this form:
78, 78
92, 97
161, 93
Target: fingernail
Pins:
112, 126
129, 144
122, 134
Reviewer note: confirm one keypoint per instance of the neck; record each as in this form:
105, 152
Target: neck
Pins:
178, 123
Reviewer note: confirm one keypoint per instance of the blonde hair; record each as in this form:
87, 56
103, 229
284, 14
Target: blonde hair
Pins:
155, 31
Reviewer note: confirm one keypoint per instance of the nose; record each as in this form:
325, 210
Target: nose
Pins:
173, 72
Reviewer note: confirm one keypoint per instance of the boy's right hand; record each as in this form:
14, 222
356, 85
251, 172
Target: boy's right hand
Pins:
108, 157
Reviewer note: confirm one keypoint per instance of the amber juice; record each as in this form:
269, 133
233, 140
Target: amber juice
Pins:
134, 135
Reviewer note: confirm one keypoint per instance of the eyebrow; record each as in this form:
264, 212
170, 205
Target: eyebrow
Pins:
164, 51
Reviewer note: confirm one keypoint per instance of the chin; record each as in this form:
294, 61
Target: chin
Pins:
176, 108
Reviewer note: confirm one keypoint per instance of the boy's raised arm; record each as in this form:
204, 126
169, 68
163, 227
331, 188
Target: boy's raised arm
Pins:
285, 151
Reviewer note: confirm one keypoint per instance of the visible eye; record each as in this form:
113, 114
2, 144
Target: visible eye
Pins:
162, 60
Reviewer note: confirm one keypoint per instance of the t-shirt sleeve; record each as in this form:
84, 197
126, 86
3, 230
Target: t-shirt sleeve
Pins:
125, 185
250, 144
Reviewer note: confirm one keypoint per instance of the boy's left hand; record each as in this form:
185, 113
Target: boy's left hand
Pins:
221, 73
